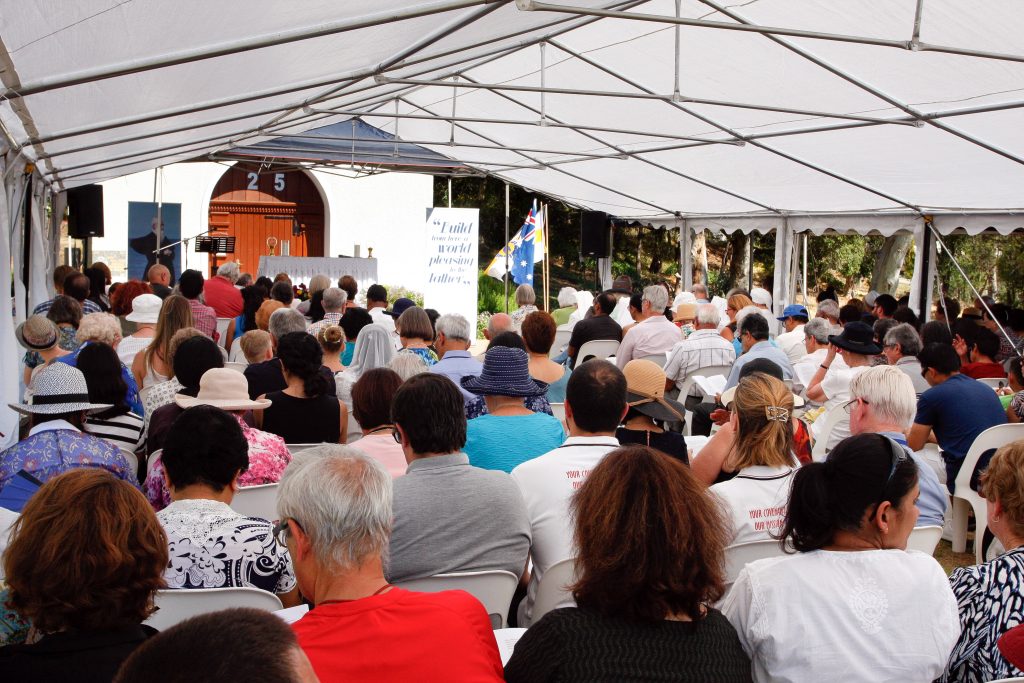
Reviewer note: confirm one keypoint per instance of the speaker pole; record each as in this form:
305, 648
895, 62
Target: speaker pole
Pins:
506, 246
27, 230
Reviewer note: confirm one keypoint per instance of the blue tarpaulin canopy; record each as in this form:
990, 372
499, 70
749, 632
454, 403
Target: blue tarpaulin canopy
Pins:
352, 143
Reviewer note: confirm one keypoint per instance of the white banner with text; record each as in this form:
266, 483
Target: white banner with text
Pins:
452, 262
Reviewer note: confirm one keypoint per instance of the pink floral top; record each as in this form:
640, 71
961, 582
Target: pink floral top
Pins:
268, 456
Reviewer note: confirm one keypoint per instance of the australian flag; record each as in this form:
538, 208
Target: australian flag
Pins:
521, 260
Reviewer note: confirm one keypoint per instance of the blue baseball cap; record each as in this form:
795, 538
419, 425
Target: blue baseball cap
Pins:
792, 310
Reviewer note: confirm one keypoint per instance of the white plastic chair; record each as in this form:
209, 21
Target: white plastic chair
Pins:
709, 371
552, 592
831, 418
740, 555
964, 496
152, 459
256, 501
558, 410
994, 382
924, 538
355, 431
177, 605
222, 330
562, 334
658, 359
239, 367
597, 348
494, 589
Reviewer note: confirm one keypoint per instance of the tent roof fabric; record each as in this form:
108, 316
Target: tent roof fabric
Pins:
351, 142
881, 109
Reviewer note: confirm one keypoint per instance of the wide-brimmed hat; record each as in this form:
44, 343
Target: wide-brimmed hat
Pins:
400, 306
506, 373
623, 284
145, 309
645, 391
857, 337
59, 388
225, 389
38, 333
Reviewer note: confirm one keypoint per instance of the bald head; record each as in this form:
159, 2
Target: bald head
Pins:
159, 275
499, 322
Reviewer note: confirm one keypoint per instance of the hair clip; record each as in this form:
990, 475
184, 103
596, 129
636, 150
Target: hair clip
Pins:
776, 413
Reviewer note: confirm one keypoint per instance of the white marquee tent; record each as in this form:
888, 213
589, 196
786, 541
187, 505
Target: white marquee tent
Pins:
769, 115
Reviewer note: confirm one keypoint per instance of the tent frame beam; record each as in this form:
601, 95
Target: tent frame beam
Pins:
640, 96
729, 131
635, 156
863, 85
533, 6
319, 30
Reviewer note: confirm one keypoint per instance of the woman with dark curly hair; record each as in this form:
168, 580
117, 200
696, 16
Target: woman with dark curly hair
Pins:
650, 561
303, 412
85, 559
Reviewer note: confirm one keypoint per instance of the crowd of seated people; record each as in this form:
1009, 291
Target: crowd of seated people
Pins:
456, 464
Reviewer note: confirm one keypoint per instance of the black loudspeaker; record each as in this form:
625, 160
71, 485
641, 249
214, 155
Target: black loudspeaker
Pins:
594, 233
85, 212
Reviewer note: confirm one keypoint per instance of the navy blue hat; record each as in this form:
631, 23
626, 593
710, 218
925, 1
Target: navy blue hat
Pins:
506, 373
857, 337
400, 306
793, 310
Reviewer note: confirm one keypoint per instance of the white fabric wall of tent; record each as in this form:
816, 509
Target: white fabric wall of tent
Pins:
785, 116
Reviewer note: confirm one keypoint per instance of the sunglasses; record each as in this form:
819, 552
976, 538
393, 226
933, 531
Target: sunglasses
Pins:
899, 455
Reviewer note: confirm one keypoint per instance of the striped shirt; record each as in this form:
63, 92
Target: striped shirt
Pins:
88, 306
123, 431
204, 319
702, 349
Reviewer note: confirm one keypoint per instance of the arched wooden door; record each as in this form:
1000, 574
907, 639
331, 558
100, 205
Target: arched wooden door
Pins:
253, 204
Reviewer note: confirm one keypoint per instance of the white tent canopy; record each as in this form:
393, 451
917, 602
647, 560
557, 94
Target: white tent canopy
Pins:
765, 115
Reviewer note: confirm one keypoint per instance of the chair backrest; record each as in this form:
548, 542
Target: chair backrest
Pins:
924, 538
256, 501
222, 330
296, 448
151, 460
993, 437
831, 419
558, 410
658, 359
597, 348
494, 589
994, 382
740, 555
562, 334
178, 604
233, 365
355, 432
709, 371
552, 592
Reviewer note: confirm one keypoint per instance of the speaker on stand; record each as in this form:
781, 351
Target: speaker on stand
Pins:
595, 238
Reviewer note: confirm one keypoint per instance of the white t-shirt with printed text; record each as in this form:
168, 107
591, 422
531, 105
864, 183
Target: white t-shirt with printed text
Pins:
755, 502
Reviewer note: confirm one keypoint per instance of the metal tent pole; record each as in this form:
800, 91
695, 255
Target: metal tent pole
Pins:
804, 272
507, 209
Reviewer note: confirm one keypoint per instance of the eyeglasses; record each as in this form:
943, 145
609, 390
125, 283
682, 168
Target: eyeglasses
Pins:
848, 406
281, 531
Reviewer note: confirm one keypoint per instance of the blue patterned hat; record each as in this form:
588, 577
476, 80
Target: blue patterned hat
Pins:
506, 373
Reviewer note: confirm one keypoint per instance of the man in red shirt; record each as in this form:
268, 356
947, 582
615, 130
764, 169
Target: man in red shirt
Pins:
335, 508
221, 294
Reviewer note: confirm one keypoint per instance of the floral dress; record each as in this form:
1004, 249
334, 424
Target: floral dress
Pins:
212, 546
268, 456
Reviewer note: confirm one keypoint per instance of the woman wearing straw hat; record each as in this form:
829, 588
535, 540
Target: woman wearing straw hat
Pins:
645, 392
228, 390
56, 441
510, 433
39, 335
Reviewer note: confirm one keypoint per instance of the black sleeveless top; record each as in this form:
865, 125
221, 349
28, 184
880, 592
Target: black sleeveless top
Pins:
303, 420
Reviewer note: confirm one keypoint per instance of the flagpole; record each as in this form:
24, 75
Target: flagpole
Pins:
506, 246
546, 268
